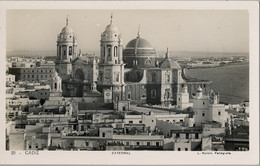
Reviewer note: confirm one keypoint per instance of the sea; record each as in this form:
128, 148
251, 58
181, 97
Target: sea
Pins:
231, 81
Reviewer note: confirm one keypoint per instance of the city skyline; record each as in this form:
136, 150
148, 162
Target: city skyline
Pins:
222, 31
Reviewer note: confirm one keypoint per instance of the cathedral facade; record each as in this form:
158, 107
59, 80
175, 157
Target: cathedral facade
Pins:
147, 80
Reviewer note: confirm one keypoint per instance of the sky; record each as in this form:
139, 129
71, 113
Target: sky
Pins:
179, 30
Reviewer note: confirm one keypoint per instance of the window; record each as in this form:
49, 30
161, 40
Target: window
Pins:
177, 135
108, 52
103, 134
115, 51
179, 149
82, 128
59, 51
219, 113
64, 50
187, 136
87, 143
129, 96
153, 93
117, 77
33, 71
196, 136
148, 143
167, 94
153, 77
127, 143
55, 85
36, 146
186, 149
137, 143
181, 120
203, 114
70, 50
179, 99
130, 122
140, 121
30, 146
157, 143
167, 78
203, 103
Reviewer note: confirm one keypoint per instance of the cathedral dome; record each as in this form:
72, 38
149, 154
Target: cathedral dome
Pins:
67, 30
111, 28
140, 53
138, 43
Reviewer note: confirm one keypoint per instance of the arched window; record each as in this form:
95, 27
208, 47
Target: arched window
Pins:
59, 50
167, 77
108, 52
55, 85
64, 50
104, 51
117, 77
153, 77
115, 51
70, 50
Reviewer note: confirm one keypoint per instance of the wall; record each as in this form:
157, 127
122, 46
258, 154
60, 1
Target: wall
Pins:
182, 146
166, 127
16, 141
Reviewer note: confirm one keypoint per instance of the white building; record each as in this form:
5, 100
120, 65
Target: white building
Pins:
205, 111
183, 100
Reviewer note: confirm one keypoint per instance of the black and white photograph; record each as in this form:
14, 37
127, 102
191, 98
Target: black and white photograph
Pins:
128, 81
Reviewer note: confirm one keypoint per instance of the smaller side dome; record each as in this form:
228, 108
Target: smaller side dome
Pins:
169, 63
111, 27
67, 30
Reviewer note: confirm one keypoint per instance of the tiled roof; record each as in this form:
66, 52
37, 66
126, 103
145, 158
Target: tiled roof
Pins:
169, 63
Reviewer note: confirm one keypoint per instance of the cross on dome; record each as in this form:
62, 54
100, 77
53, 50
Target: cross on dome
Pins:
138, 33
111, 18
67, 20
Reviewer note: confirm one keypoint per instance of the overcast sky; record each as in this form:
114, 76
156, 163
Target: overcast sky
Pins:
180, 30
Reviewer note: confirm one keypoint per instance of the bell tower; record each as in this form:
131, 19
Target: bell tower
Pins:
111, 66
66, 51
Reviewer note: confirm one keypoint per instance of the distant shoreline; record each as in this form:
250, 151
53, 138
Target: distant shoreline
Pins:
223, 65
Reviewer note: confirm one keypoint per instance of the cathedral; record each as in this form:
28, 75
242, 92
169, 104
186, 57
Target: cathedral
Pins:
132, 73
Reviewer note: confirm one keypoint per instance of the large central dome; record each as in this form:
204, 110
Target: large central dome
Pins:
139, 53
139, 43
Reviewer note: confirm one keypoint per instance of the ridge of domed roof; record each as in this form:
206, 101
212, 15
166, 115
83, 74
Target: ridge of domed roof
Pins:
67, 30
139, 43
111, 27
169, 63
